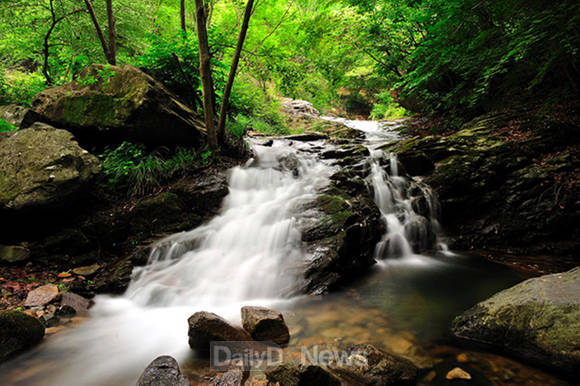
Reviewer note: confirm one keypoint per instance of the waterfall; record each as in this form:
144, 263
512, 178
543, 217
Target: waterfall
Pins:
409, 208
246, 255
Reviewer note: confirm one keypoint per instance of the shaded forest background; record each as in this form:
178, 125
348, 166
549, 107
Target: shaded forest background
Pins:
377, 58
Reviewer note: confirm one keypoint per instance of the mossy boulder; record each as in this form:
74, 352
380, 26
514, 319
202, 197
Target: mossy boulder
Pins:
538, 320
339, 230
42, 166
110, 103
18, 332
505, 181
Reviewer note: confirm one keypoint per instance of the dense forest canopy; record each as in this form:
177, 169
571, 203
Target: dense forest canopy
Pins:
365, 57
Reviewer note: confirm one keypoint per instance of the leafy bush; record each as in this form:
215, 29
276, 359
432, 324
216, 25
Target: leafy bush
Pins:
387, 108
160, 60
242, 123
130, 169
19, 87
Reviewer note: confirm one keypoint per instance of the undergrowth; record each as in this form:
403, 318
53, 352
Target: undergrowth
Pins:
5, 126
131, 170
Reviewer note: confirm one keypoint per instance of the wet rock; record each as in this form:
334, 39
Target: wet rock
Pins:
538, 320
367, 365
284, 374
264, 324
42, 166
457, 373
124, 104
496, 192
290, 162
206, 327
18, 116
339, 230
163, 371
18, 332
234, 377
74, 302
13, 254
301, 375
299, 107
49, 316
41, 296
346, 151
416, 163
159, 212
87, 271
306, 137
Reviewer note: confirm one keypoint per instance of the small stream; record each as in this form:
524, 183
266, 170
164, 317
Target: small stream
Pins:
244, 256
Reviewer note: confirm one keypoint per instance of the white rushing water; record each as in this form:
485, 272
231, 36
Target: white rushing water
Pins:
246, 255
409, 208
240, 257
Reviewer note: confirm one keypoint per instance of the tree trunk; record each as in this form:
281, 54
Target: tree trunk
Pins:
183, 27
99, 31
112, 33
46, 46
205, 74
235, 62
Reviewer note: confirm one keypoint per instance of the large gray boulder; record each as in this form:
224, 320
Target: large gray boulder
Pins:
111, 103
41, 166
300, 108
538, 320
163, 371
18, 331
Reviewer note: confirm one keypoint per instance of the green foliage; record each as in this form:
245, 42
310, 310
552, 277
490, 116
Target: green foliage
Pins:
131, 169
174, 61
20, 87
462, 57
103, 75
5, 126
242, 123
386, 108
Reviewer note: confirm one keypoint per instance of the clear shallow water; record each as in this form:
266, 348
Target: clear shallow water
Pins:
248, 255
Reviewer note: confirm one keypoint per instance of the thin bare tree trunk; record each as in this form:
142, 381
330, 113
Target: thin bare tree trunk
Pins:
112, 33
221, 131
99, 31
205, 74
183, 27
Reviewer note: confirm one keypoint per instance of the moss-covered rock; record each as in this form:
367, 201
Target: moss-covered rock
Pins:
505, 181
18, 332
538, 320
339, 229
110, 103
42, 166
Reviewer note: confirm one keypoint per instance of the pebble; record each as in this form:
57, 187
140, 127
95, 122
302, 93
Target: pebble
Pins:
458, 373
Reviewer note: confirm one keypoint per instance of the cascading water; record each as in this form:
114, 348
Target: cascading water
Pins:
245, 255
408, 207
